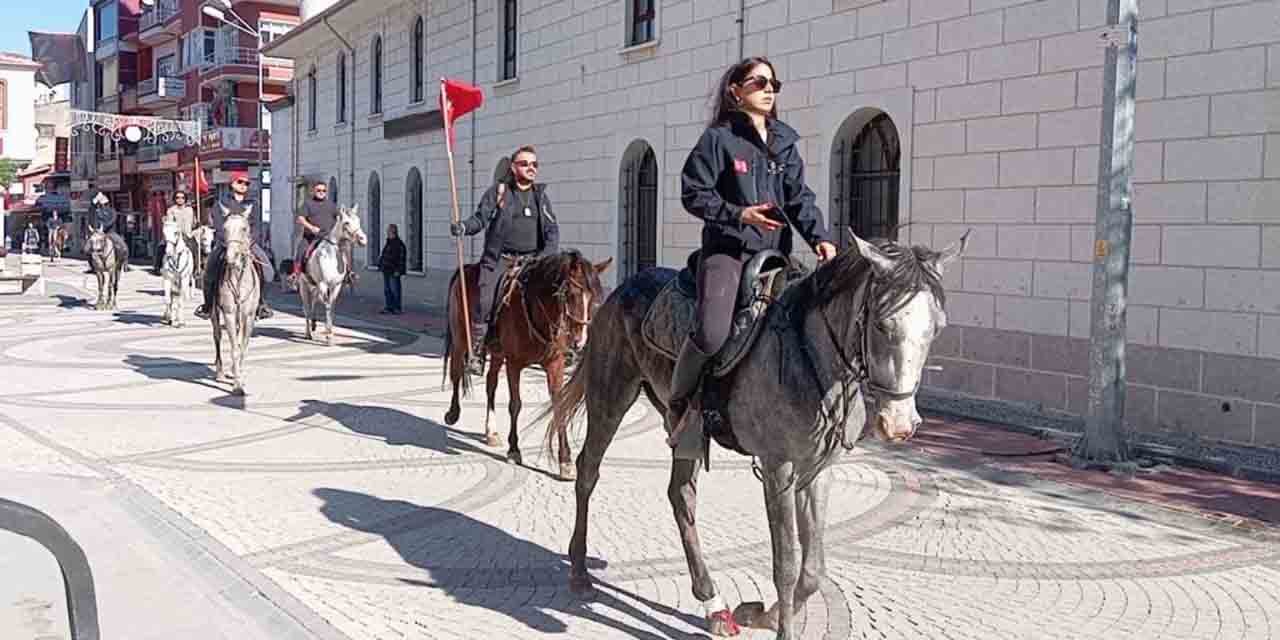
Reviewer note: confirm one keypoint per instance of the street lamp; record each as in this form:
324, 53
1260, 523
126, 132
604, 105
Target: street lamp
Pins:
239, 24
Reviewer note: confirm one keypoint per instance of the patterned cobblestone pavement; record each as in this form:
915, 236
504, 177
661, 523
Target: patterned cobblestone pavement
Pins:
335, 487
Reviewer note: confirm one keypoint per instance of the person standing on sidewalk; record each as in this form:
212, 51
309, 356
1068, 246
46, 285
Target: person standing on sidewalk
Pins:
394, 263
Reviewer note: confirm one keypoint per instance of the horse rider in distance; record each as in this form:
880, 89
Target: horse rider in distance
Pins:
316, 218
238, 203
104, 215
518, 221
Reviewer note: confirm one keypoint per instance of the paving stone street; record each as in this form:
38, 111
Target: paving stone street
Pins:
332, 502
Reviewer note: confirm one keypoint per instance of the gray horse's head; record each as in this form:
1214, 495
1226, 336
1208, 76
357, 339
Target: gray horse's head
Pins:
98, 241
904, 315
237, 233
348, 225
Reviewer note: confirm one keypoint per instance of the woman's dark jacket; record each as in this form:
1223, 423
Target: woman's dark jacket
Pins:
730, 169
494, 220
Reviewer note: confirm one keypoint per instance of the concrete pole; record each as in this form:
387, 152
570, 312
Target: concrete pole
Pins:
1105, 440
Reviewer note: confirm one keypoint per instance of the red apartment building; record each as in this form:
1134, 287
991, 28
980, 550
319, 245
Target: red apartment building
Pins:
168, 59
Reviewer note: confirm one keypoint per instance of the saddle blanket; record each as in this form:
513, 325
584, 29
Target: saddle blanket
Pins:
670, 320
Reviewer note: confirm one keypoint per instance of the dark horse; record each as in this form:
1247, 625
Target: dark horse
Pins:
865, 319
544, 315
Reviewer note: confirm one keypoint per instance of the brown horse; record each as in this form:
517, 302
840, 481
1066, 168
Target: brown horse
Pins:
544, 316
58, 237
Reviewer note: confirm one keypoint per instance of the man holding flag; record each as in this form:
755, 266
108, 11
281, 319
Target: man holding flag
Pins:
517, 219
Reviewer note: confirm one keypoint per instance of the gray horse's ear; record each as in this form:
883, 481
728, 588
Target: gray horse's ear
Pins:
879, 261
953, 251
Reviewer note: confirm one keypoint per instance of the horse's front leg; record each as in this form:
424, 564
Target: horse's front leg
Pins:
780, 503
307, 319
555, 380
811, 514
496, 360
330, 301
682, 491
513, 390
220, 372
168, 299
103, 293
235, 328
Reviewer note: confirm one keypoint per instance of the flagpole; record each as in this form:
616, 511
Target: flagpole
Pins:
445, 107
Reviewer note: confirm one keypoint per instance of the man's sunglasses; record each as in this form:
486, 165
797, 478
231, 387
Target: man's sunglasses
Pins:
758, 83
240, 181
527, 163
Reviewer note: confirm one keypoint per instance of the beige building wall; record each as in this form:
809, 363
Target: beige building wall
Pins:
997, 104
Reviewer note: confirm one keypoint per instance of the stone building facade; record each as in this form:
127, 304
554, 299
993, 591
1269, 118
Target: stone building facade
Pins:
942, 115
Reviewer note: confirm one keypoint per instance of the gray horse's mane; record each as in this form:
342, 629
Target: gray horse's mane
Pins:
912, 271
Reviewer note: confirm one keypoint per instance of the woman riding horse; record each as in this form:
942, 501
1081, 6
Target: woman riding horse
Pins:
745, 180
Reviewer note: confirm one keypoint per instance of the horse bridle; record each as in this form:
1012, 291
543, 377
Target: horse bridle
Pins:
561, 295
861, 372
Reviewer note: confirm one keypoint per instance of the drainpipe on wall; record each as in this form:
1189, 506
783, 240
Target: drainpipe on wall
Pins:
351, 77
475, 117
742, 29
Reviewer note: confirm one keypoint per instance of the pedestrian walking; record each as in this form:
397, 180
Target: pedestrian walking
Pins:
394, 263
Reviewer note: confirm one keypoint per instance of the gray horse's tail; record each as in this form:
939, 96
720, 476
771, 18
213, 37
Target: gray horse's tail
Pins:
567, 406
447, 370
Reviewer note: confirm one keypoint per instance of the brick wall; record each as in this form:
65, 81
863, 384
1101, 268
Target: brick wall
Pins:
998, 107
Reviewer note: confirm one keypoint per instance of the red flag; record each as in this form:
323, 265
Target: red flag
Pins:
456, 100
198, 182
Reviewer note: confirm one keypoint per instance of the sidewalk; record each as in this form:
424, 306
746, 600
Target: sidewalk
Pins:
969, 443
152, 580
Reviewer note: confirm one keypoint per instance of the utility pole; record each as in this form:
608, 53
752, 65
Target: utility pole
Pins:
1105, 441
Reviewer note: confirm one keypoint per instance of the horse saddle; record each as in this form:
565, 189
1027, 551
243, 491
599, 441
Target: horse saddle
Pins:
670, 319
510, 277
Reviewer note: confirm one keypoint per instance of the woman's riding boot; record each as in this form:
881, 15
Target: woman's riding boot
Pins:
684, 381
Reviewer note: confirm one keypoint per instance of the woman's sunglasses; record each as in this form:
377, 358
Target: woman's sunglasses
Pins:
758, 83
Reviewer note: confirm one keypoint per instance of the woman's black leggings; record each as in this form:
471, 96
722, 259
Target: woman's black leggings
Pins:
718, 277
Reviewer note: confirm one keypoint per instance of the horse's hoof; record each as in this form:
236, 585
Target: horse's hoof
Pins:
492, 439
239, 391
451, 416
568, 471
514, 457
581, 587
754, 616
721, 623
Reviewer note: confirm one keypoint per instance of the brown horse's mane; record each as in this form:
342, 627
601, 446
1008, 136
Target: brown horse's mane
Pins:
548, 275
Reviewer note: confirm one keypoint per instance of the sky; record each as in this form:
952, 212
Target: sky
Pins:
36, 15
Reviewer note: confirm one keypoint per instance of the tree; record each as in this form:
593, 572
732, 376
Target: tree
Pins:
8, 173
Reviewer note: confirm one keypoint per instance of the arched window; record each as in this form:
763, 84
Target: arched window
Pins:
341, 75
375, 76
333, 190
419, 50
507, 63
639, 204
312, 100
413, 220
375, 219
865, 173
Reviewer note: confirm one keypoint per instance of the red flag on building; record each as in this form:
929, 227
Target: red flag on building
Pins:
456, 100
198, 182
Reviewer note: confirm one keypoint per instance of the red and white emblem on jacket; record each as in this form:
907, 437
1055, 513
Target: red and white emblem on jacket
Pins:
740, 166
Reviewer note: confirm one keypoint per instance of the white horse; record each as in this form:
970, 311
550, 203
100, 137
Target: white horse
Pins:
236, 304
327, 269
179, 265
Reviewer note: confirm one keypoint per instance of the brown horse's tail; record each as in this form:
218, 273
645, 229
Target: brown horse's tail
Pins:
567, 405
447, 370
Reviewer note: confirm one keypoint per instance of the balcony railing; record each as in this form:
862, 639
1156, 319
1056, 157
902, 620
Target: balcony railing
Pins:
242, 56
163, 10
161, 88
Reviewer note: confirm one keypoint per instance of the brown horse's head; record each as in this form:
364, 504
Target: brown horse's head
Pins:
567, 286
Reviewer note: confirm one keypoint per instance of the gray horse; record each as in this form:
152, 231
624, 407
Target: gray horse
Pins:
864, 319
236, 304
107, 255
